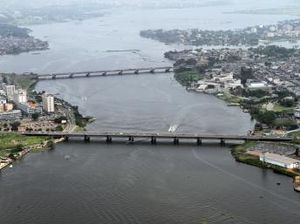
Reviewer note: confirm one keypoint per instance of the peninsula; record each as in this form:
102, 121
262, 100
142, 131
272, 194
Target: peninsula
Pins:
251, 36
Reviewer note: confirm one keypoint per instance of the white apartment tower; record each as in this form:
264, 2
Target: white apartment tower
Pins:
20, 96
48, 103
10, 91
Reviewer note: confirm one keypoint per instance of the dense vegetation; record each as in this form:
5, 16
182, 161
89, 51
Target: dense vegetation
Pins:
12, 143
186, 78
7, 30
274, 51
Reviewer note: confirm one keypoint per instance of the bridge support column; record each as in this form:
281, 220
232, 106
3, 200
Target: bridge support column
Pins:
176, 141
87, 138
153, 140
222, 142
53, 76
152, 71
136, 72
108, 139
66, 138
131, 139
199, 141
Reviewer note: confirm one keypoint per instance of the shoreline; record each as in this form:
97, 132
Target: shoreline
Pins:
28, 82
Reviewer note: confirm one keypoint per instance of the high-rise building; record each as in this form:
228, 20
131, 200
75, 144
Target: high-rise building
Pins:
48, 103
20, 96
10, 91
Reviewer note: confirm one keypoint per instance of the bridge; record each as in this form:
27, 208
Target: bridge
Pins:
103, 73
153, 138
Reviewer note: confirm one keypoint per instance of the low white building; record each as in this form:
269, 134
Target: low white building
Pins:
279, 160
257, 85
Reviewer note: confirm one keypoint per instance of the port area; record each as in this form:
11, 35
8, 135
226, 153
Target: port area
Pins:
282, 158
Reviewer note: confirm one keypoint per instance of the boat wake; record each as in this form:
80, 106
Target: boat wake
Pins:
173, 128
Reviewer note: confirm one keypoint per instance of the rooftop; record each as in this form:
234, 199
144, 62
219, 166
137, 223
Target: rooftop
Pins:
280, 158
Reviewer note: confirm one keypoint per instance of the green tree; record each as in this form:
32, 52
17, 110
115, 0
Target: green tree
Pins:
35, 116
15, 125
267, 117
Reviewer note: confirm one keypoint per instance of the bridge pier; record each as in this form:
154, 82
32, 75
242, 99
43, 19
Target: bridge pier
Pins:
136, 72
88, 75
87, 138
71, 76
120, 72
66, 138
153, 140
53, 76
176, 141
152, 71
131, 139
199, 141
108, 139
222, 142
167, 70
104, 73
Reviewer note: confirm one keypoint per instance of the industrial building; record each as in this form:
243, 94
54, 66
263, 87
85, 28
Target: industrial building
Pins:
279, 160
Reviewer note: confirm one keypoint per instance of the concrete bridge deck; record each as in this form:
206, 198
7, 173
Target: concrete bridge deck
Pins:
103, 73
153, 137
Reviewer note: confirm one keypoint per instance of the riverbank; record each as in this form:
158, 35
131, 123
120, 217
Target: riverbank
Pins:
15, 146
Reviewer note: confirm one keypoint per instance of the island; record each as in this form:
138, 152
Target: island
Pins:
16, 40
251, 36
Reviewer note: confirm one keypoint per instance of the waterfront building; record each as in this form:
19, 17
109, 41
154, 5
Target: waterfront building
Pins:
12, 115
20, 96
279, 160
10, 91
48, 103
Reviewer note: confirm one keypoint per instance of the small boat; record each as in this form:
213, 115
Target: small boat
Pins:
173, 128
297, 183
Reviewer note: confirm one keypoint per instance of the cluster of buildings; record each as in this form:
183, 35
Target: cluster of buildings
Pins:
16, 45
251, 36
15, 103
217, 84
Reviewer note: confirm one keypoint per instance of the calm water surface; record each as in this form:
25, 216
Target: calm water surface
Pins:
120, 183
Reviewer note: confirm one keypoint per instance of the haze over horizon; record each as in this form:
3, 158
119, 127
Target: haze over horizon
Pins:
140, 3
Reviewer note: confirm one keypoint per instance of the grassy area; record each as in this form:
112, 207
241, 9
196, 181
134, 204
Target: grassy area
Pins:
281, 109
229, 98
12, 141
186, 78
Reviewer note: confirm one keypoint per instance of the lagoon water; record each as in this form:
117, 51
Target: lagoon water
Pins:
140, 183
